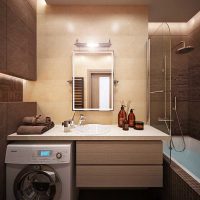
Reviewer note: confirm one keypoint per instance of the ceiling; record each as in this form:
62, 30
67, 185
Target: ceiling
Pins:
159, 10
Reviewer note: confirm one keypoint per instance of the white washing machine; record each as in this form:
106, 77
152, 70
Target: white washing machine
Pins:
39, 171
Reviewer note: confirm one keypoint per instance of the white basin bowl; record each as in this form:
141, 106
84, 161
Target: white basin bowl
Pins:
93, 129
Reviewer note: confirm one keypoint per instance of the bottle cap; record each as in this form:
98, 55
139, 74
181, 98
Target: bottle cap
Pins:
123, 106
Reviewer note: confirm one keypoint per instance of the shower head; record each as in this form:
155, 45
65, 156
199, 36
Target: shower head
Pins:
184, 49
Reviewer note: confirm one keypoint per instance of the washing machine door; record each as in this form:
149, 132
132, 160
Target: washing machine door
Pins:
37, 182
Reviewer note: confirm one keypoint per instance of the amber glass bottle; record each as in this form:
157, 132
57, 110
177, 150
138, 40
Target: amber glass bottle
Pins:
131, 119
121, 116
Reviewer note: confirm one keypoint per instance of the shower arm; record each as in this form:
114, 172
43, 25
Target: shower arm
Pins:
181, 42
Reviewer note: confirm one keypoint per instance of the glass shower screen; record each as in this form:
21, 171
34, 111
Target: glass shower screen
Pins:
159, 57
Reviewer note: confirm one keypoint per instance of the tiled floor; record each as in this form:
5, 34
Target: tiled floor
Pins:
139, 194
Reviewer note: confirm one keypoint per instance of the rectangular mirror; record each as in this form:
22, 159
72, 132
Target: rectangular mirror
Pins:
93, 80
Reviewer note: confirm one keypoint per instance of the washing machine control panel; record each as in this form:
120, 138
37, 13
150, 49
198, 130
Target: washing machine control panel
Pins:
50, 155
39, 154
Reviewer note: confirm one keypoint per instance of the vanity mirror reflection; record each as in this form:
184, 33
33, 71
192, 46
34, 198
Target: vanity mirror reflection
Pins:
93, 80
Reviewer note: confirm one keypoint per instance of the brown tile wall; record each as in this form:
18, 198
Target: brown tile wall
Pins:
186, 85
11, 89
178, 185
180, 87
10, 116
3, 110
194, 84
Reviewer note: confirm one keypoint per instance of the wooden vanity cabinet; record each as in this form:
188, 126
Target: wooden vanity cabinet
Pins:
119, 164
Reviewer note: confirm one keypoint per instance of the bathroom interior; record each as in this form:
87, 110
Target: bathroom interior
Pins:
80, 66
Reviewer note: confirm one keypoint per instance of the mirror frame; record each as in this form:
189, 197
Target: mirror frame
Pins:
74, 53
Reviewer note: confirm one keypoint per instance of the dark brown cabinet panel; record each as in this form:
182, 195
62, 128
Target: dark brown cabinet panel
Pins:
24, 11
17, 44
2, 36
20, 47
32, 62
33, 3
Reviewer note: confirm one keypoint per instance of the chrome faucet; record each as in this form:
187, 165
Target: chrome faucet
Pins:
81, 119
72, 121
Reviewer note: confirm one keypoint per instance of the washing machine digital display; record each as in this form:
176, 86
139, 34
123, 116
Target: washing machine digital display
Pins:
44, 153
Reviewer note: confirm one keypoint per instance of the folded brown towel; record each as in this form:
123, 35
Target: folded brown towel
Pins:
43, 120
31, 130
28, 120
37, 121
50, 125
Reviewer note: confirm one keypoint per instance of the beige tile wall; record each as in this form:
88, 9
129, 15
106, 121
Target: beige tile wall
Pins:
57, 30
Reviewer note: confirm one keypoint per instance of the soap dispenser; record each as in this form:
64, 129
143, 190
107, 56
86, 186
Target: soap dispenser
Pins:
121, 116
131, 119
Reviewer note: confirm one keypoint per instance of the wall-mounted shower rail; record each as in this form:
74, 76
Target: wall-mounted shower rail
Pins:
165, 62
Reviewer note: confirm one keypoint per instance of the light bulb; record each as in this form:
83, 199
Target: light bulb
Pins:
92, 45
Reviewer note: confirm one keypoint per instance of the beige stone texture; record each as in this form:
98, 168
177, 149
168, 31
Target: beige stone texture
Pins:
58, 27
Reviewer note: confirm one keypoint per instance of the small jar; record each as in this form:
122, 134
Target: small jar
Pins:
66, 125
139, 125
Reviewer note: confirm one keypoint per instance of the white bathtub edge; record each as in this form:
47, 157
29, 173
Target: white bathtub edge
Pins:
186, 170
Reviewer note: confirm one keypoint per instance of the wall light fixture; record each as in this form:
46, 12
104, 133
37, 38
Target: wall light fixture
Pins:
92, 45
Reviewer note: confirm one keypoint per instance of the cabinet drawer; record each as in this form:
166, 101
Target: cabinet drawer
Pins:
118, 152
119, 176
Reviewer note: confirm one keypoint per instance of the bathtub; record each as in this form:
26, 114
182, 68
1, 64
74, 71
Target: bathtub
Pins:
188, 160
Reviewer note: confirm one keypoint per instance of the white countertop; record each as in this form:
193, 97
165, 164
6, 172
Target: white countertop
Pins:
115, 133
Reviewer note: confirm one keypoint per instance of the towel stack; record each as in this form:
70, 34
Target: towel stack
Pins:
35, 125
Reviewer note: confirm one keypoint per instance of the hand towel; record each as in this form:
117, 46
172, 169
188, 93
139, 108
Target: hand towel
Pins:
31, 130
38, 120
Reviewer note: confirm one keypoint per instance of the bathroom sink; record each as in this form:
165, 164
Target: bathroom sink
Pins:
93, 129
